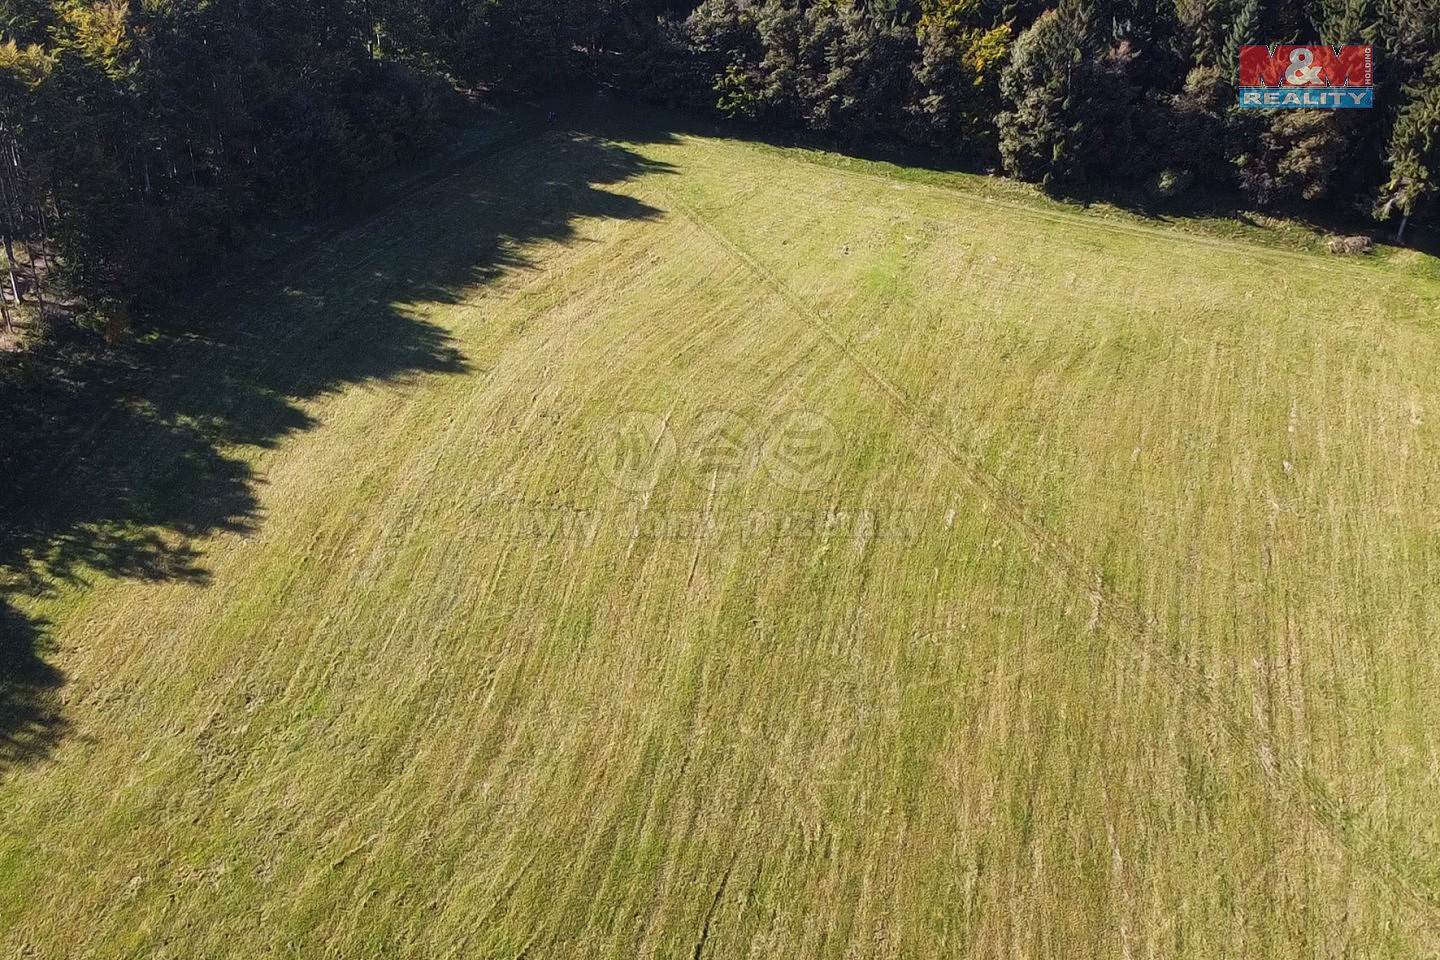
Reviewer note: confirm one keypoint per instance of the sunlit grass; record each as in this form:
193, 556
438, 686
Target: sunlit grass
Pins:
1101, 621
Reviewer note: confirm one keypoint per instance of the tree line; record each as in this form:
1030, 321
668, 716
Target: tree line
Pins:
1077, 93
140, 137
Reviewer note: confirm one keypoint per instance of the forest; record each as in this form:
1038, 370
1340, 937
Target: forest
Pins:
141, 138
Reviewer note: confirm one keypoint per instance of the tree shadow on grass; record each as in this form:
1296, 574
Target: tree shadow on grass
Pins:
123, 461
30, 717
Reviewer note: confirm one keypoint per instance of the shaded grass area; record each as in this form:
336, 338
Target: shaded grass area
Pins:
131, 458
1103, 630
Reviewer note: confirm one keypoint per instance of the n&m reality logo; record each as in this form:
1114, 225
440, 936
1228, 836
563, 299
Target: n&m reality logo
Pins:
1312, 75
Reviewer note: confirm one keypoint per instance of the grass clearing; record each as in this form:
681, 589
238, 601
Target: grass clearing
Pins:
1086, 614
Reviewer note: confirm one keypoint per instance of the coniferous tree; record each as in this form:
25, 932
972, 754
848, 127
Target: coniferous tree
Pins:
1071, 107
1415, 150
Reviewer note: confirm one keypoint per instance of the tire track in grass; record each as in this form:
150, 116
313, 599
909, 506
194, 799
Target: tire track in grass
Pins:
1114, 611
704, 938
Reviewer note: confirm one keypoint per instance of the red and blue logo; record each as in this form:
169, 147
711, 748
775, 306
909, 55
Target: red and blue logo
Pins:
1307, 75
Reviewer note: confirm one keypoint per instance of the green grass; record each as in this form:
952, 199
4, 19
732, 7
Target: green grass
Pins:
1109, 628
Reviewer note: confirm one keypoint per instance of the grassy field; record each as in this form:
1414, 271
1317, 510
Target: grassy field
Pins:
637, 543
